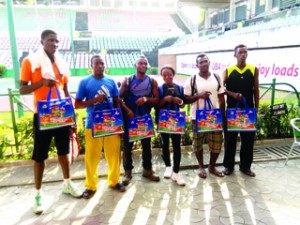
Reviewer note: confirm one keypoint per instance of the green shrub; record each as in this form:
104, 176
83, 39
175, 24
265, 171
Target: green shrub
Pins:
153, 70
187, 137
2, 70
156, 141
269, 126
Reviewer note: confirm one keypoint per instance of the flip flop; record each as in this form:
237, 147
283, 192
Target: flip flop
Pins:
202, 173
87, 194
119, 187
215, 172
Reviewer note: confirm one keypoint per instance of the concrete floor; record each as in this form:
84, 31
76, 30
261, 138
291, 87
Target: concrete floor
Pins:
272, 197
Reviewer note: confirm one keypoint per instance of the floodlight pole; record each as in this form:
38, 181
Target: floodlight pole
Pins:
13, 47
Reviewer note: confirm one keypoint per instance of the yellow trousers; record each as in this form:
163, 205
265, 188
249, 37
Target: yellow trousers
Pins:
93, 153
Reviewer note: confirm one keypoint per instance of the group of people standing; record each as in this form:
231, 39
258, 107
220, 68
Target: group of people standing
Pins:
99, 91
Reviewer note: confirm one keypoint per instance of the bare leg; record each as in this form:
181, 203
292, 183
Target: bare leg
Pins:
199, 156
65, 165
212, 163
38, 173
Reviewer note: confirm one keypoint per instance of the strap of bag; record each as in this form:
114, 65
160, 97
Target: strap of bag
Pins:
180, 90
74, 137
193, 82
161, 90
218, 79
128, 82
244, 101
207, 102
50, 93
169, 107
138, 109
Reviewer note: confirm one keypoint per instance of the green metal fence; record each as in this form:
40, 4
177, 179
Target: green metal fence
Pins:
14, 97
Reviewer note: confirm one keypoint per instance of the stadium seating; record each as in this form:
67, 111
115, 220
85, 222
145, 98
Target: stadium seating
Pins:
120, 36
33, 19
32, 43
125, 43
122, 60
120, 20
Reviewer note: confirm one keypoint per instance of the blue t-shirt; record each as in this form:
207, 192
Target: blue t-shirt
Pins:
90, 87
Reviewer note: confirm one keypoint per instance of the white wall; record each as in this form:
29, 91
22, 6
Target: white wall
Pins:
282, 64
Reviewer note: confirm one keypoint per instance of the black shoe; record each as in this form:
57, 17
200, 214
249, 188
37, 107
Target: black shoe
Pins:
227, 171
127, 177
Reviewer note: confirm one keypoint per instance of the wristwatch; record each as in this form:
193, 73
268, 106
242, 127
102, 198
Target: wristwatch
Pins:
145, 99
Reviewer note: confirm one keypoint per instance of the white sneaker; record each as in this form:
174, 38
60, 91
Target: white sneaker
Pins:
71, 189
38, 207
168, 172
178, 179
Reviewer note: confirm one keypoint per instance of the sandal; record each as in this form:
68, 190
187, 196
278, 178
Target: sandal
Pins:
202, 173
119, 187
87, 194
248, 172
215, 172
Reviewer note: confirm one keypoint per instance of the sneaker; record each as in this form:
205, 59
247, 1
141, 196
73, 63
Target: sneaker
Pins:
178, 179
168, 172
38, 207
71, 189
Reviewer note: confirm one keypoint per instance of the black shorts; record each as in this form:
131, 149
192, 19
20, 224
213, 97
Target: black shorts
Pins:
42, 141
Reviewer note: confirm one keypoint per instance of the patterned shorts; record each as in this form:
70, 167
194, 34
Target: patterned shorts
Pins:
214, 140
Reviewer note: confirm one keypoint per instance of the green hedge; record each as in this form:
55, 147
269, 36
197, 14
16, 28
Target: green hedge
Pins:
268, 127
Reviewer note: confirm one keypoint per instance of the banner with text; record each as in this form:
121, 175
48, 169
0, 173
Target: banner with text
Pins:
282, 64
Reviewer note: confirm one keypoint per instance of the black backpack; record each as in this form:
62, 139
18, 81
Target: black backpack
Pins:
128, 82
161, 93
193, 82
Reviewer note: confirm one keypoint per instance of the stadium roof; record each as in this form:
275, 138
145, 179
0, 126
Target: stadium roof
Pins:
206, 3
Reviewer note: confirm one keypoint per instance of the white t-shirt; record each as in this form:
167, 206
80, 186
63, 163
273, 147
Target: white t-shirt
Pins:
201, 84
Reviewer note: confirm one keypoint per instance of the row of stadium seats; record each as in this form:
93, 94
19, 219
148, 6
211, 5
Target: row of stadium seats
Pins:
280, 31
119, 20
30, 19
111, 42
33, 19
121, 60
82, 60
280, 22
31, 43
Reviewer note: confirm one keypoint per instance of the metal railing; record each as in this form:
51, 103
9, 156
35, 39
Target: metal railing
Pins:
14, 97
272, 88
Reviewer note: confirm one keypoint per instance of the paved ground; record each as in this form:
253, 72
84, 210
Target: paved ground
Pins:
272, 197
